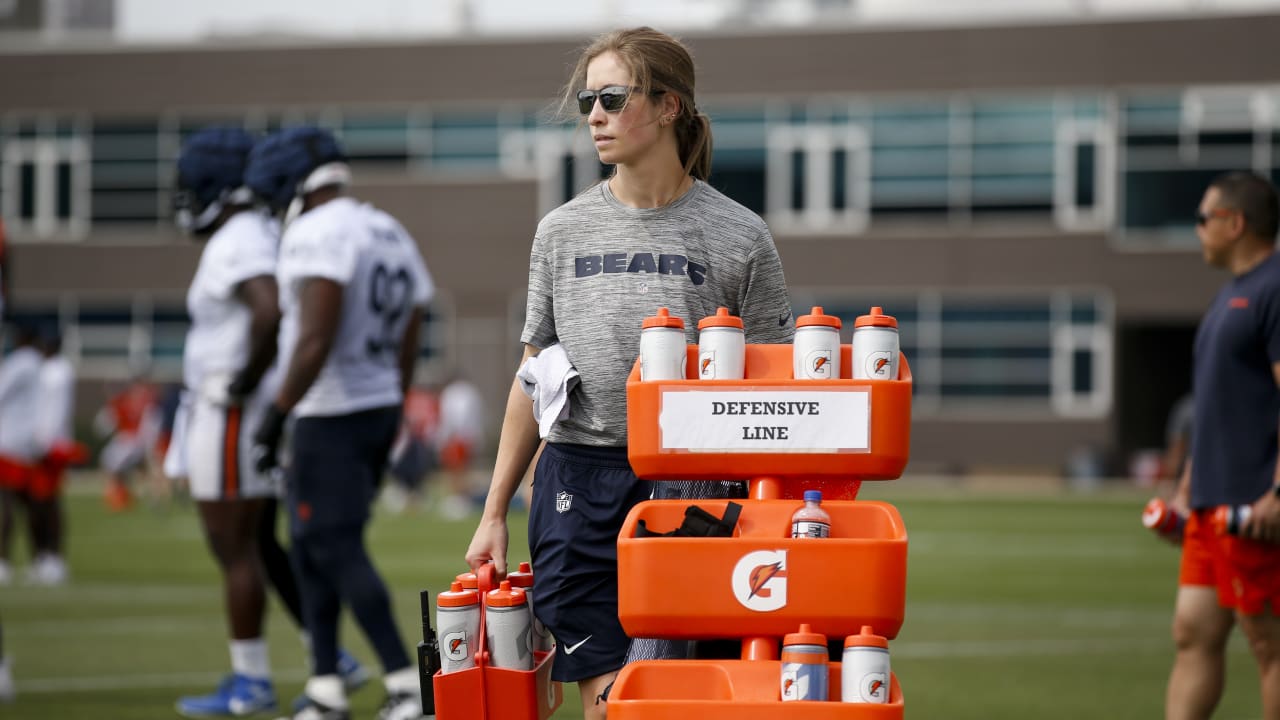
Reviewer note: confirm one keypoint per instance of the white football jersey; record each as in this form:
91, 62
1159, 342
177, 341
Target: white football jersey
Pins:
217, 344
19, 396
461, 413
383, 276
57, 388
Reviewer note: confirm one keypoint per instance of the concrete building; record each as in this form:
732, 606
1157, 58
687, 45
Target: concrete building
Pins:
1020, 197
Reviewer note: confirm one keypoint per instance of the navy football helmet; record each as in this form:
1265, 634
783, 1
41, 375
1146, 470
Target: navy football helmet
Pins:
211, 169
280, 164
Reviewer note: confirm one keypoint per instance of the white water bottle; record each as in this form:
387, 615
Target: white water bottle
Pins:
811, 521
508, 628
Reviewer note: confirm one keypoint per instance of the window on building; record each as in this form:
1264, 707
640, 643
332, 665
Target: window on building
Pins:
818, 178
378, 139
560, 158
128, 178
912, 160
995, 355
1012, 156
1083, 174
1172, 144
44, 180
739, 153
465, 140
117, 338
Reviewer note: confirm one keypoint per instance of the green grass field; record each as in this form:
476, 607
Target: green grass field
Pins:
1045, 606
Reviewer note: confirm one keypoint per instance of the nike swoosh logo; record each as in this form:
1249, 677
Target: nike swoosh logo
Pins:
783, 318
570, 650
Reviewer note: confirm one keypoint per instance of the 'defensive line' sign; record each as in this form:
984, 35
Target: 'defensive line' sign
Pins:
765, 420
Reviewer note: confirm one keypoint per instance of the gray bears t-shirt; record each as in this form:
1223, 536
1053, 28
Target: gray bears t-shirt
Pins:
599, 268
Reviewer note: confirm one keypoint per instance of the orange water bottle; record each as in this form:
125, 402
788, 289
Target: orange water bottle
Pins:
804, 666
1161, 518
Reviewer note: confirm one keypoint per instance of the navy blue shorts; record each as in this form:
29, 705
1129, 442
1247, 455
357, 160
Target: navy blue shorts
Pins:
581, 496
336, 464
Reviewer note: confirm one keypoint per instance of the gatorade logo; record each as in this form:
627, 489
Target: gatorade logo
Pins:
759, 580
877, 364
819, 364
790, 685
874, 688
455, 645
707, 364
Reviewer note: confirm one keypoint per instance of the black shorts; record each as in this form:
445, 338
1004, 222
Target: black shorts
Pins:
336, 466
581, 496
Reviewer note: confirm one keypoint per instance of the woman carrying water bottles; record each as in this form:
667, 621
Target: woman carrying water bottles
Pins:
654, 234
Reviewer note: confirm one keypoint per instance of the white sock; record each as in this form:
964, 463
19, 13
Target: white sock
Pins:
249, 657
327, 690
404, 680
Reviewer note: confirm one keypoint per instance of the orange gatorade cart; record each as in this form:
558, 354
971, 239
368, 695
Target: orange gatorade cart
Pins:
783, 436
485, 692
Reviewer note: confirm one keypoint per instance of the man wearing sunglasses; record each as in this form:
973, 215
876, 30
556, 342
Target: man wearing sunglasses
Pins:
1230, 578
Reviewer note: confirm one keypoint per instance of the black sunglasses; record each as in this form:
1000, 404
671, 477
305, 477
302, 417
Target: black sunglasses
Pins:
612, 98
1203, 218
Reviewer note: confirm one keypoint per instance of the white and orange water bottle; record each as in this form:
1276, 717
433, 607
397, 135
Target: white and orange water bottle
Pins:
722, 347
875, 346
864, 668
523, 579
458, 627
804, 666
1159, 517
815, 353
662, 347
508, 628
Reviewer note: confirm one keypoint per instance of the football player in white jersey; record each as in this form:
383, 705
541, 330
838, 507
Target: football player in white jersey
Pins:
18, 451
229, 373
352, 287
57, 448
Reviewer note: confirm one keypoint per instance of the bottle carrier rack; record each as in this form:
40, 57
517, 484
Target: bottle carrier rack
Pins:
783, 436
485, 692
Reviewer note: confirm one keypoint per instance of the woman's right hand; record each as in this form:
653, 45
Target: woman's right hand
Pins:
489, 543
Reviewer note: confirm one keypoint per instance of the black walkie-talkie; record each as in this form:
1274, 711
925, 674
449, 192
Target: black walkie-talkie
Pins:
428, 657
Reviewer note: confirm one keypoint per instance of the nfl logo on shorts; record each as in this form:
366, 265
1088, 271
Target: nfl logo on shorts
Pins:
563, 501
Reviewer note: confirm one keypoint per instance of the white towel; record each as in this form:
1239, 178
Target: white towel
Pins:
548, 378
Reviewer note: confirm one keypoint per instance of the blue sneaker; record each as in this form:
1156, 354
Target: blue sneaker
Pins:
354, 676
236, 696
